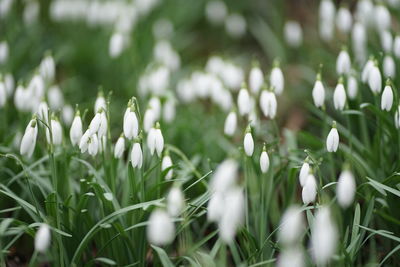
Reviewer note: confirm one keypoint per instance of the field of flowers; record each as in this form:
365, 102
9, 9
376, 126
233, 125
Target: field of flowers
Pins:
199, 133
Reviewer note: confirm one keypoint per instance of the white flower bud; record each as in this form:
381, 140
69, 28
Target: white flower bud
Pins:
215, 207
216, 12
375, 80
9, 83
67, 114
136, 156
56, 132
352, 87
293, 33
343, 63
28, 141
149, 119
323, 237
291, 226
256, 79
235, 25
248, 144
359, 41
232, 215
332, 141
397, 118
291, 257
161, 228
55, 97
225, 176
318, 94
230, 124
119, 147
165, 164
244, 102
95, 123
42, 238
364, 12
93, 146
386, 41
3, 94
264, 161
339, 96
326, 19
47, 68
268, 104
84, 142
396, 46
387, 98
344, 20
309, 192
382, 18
304, 172
131, 124
276, 80
4, 51
169, 110
155, 141
155, 105
117, 44
75, 133
103, 124
346, 188
175, 201
389, 67
366, 70
100, 103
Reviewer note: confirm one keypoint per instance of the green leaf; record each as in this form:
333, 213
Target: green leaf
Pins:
166, 262
381, 187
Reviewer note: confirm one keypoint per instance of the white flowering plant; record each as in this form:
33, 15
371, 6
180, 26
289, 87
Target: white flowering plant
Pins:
230, 134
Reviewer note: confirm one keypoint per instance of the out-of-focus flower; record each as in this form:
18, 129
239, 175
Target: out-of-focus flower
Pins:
344, 20
230, 123
244, 102
293, 33
165, 164
375, 79
268, 104
75, 132
277, 82
352, 87
309, 191
175, 201
216, 12
292, 226
161, 228
389, 67
235, 25
346, 188
343, 63
42, 238
327, 12
119, 147
256, 79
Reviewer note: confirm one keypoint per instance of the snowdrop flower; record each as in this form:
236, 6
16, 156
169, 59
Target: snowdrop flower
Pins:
47, 68
323, 237
42, 238
136, 156
366, 70
318, 92
359, 41
309, 192
387, 97
291, 257
9, 83
225, 176
95, 123
268, 104
84, 142
21, 98
397, 118
364, 12
216, 12
43, 112
346, 188
344, 20
293, 33
130, 124
56, 132
230, 124
244, 102
215, 207
343, 63
75, 133
332, 141
100, 102
396, 46
5, 6
232, 215
28, 141
386, 41
175, 201
155, 105
67, 114
161, 228
276, 80
117, 44
304, 172
119, 147
4, 51
375, 79
264, 160
382, 18
339, 96
235, 25
3, 94
389, 67
155, 140
291, 226
352, 87
93, 146
256, 79
103, 124
37, 86
165, 164
248, 142
149, 119
55, 97
326, 19
169, 110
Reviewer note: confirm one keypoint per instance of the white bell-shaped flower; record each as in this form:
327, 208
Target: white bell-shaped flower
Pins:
75, 133
346, 188
268, 104
248, 142
343, 63
28, 141
291, 226
256, 79
264, 160
304, 172
387, 97
375, 79
155, 140
332, 141
309, 192
165, 164
136, 156
119, 147
175, 201
56, 132
389, 67
318, 92
276, 79
244, 102
339, 96
352, 87
130, 124
42, 238
160, 228
230, 123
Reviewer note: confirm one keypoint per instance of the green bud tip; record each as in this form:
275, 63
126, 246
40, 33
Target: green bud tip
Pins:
333, 124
